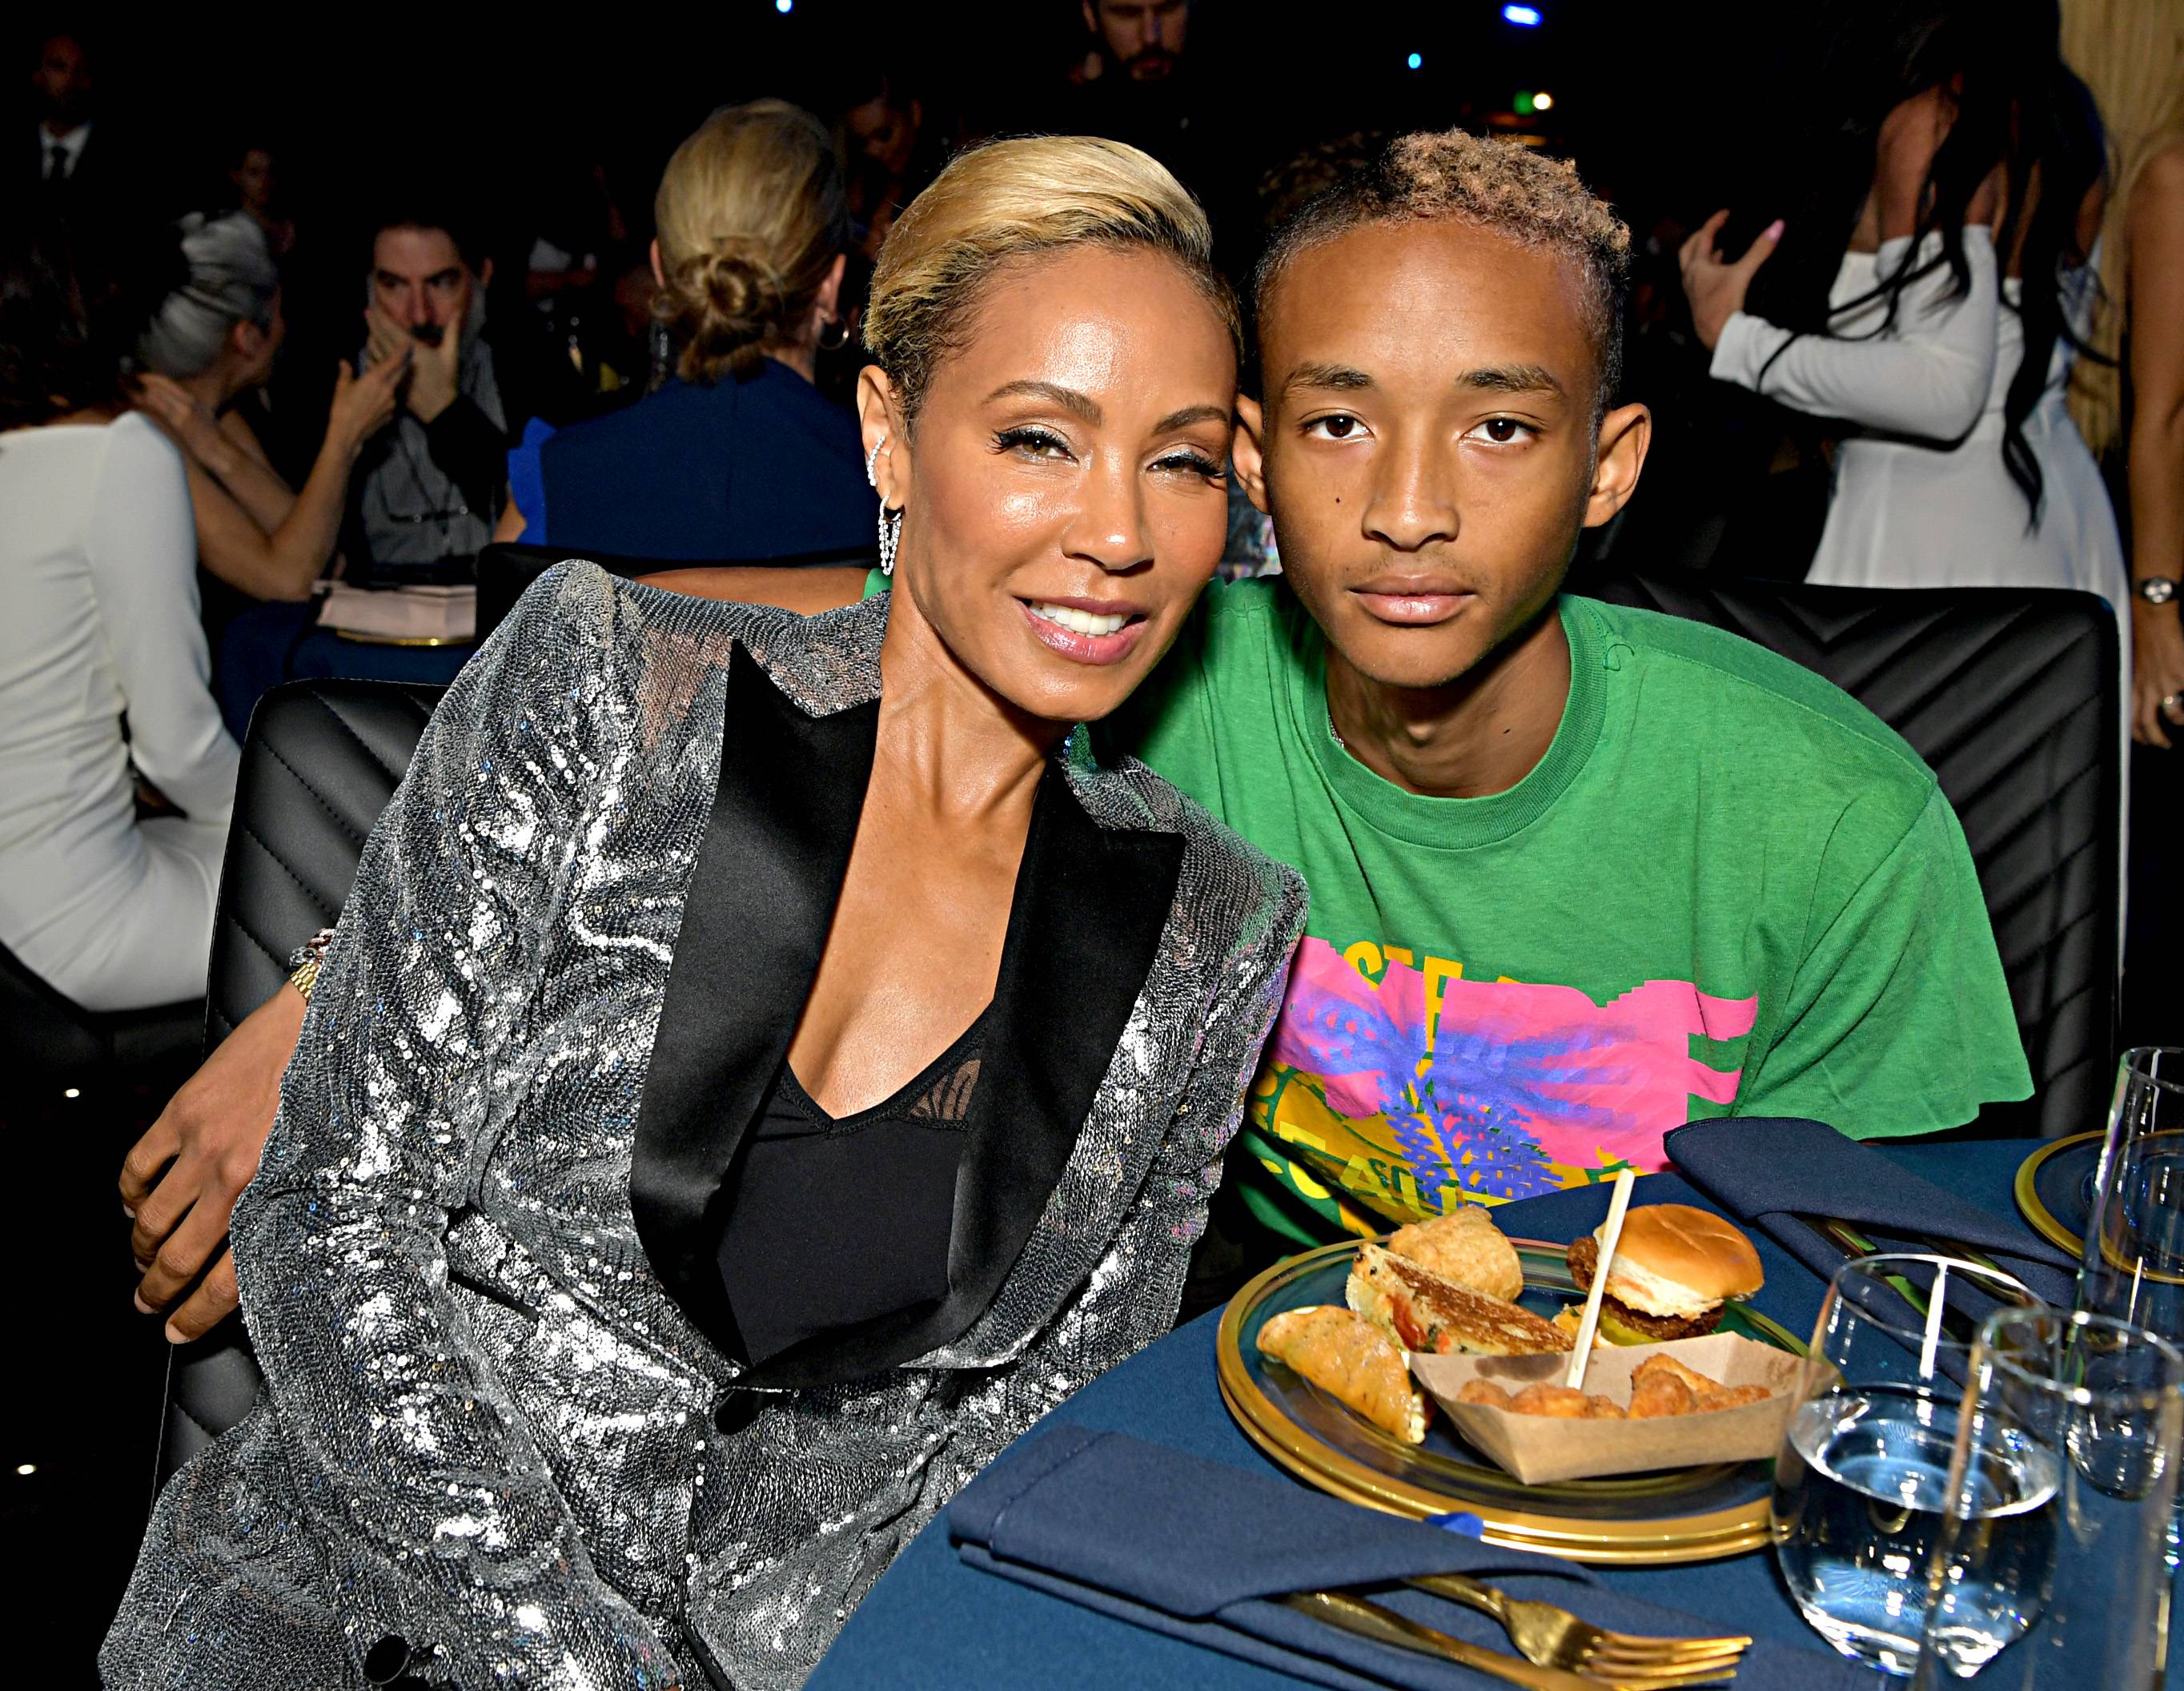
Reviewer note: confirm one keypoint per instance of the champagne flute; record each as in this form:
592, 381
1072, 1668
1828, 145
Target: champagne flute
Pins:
2133, 1265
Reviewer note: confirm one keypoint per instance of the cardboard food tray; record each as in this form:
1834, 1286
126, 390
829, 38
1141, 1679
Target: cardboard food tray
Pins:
1538, 1448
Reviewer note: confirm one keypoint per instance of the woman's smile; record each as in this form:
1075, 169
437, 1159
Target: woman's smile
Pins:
1085, 630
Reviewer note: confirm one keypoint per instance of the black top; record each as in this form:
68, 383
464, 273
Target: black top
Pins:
830, 1222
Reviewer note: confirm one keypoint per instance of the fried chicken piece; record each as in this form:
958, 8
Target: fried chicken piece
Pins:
1485, 1393
1563, 1402
1660, 1394
1732, 1397
1662, 1364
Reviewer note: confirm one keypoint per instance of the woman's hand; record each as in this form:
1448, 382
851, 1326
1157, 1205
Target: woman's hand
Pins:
1716, 287
364, 405
188, 420
2157, 673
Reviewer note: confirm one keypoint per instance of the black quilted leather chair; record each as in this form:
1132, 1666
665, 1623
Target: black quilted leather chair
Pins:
2010, 695
321, 760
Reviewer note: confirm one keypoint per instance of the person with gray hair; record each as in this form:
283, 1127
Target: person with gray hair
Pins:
210, 340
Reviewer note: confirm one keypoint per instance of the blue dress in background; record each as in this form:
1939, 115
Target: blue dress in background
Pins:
762, 469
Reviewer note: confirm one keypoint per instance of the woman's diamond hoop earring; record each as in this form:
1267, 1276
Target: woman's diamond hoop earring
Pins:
890, 537
890, 521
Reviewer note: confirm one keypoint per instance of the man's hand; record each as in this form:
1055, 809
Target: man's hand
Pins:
385, 340
1716, 287
433, 373
179, 1182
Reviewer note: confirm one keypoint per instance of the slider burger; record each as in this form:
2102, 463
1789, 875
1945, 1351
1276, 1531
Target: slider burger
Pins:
1672, 1267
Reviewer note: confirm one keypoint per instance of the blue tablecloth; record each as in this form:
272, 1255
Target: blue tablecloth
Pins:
932, 1622
272, 643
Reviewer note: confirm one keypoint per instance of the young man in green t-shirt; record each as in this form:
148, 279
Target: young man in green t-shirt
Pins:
1579, 874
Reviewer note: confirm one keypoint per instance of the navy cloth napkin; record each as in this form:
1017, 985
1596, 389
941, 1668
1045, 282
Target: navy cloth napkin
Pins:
1198, 1550
1771, 1170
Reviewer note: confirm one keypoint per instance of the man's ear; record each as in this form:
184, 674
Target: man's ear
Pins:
659, 274
485, 276
879, 419
1624, 434
1247, 453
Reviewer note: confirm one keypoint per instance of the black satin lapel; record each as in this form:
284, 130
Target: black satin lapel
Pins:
763, 891
1090, 907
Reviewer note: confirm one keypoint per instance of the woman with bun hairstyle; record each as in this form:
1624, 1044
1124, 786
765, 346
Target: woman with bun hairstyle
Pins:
766, 1063
737, 457
212, 339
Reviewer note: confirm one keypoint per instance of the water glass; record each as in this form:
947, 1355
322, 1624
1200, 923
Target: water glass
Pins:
2050, 1570
2134, 1247
1861, 1480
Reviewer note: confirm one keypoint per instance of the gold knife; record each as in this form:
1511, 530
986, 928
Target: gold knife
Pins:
1366, 1619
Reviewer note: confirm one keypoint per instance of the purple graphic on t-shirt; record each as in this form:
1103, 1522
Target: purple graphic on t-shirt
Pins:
1505, 1082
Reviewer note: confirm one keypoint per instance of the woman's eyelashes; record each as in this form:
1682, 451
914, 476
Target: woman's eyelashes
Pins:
1191, 461
1032, 441
1043, 444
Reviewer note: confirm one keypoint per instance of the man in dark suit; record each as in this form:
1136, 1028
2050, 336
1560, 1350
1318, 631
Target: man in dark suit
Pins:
79, 180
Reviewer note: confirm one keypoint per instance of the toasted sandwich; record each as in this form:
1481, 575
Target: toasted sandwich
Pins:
1421, 1311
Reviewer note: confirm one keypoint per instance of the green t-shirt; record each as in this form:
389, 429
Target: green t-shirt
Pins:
1727, 888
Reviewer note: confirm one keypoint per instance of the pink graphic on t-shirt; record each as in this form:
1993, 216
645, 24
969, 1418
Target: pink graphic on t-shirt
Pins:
1511, 1076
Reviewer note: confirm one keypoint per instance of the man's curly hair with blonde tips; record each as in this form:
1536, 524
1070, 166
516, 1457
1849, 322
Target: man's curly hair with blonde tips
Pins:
1503, 185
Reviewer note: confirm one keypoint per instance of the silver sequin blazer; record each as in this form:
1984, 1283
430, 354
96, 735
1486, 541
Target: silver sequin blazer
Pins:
496, 1435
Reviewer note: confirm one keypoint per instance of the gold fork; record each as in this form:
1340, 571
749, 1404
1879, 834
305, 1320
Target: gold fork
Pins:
1554, 1637
1366, 1619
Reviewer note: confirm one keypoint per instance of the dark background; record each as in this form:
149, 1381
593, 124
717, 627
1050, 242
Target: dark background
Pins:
1665, 106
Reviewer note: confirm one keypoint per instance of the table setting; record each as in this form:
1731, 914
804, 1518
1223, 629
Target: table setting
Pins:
1974, 1429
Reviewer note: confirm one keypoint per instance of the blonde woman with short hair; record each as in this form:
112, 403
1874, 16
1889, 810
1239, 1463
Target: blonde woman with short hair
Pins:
766, 1063
737, 456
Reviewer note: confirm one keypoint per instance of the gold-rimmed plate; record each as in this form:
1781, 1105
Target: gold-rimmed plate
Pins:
2054, 1188
1685, 1514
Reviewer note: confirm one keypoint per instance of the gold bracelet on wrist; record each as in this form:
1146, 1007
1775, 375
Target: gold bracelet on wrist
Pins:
304, 962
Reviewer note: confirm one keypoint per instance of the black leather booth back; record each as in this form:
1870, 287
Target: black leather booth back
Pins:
506, 568
322, 760
2010, 695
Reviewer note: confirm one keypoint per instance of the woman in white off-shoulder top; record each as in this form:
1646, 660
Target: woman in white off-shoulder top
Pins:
1956, 467
98, 628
